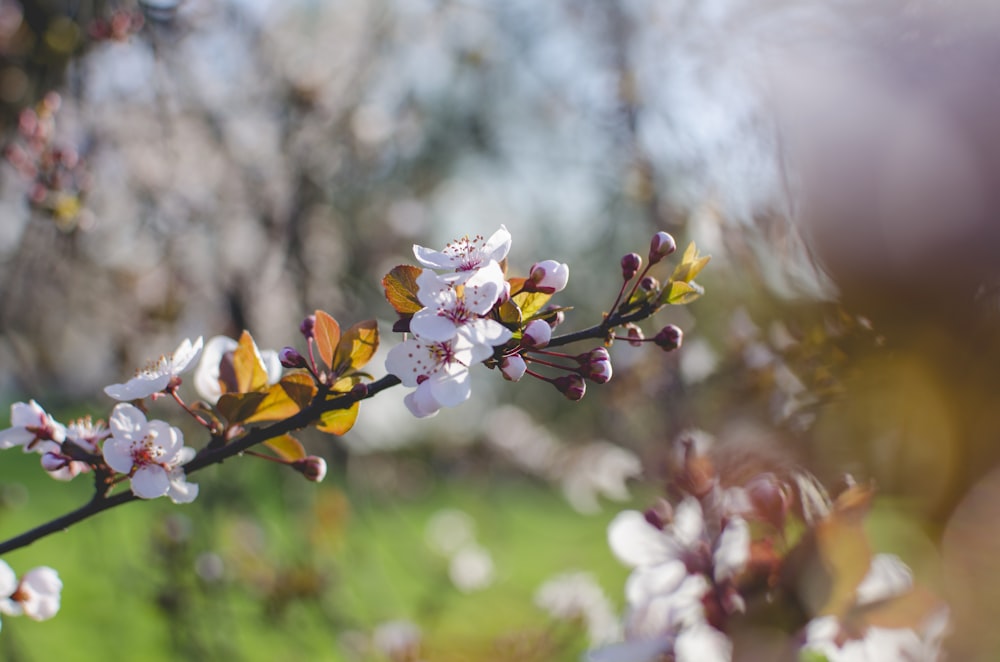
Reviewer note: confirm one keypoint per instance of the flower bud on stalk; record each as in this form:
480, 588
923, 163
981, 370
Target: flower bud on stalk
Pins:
572, 386
635, 336
513, 368
312, 467
649, 285
537, 334
631, 264
669, 338
597, 367
547, 276
290, 358
307, 326
661, 246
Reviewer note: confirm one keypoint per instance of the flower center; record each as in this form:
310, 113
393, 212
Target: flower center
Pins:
146, 451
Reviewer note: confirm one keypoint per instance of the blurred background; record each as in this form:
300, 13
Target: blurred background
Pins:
197, 167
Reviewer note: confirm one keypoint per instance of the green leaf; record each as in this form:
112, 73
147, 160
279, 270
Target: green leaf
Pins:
338, 421
357, 346
284, 399
248, 367
287, 447
678, 293
691, 264
327, 335
400, 287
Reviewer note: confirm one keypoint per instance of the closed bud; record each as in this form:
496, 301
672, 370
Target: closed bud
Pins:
537, 334
513, 368
307, 326
312, 467
634, 334
547, 276
649, 284
661, 246
290, 358
572, 386
631, 264
669, 338
598, 366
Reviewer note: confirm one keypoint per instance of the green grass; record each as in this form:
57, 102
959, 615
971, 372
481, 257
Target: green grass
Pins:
304, 567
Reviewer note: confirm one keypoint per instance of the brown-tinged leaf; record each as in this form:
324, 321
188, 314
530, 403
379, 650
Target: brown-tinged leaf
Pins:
287, 447
909, 610
345, 384
510, 313
284, 399
238, 407
516, 285
357, 346
678, 293
530, 302
327, 335
338, 421
248, 367
400, 287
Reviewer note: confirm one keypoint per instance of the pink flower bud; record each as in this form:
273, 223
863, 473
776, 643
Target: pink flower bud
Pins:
635, 336
661, 246
548, 276
597, 368
669, 338
513, 368
53, 461
572, 386
536, 334
306, 328
649, 284
631, 264
290, 358
312, 467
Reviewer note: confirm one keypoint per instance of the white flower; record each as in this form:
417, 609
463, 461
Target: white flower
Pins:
439, 370
467, 253
39, 593
217, 350
577, 595
458, 309
702, 643
32, 428
471, 569
82, 432
151, 453
732, 550
8, 585
158, 374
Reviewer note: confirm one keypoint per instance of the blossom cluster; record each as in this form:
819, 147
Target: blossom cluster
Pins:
700, 565
36, 595
458, 323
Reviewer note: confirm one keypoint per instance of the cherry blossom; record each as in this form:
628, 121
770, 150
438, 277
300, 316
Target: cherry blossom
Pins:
8, 585
32, 428
159, 374
38, 593
151, 453
467, 253
439, 370
85, 434
458, 310
217, 353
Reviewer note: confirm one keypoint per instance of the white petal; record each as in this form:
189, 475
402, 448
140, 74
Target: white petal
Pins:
14, 437
689, 523
168, 438
206, 376
887, 578
483, 288
636, 542
150, 482
8, 580
185, 355
43, 587
733, 549
421, 402
118, 455
498, 245
703, 643
451, 390
433, 259
408, 361
127, 422
181, 491
487, 332
427, 324
24, 414
141, 386
642, 650
272, 365
648, 582
434, 291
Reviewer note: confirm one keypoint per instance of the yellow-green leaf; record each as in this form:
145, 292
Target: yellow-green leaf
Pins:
338, 421
248, 367
287, 447
284, 399
510, 313
530, 302
678, 293
357, 346
691, 264
327, 335
400, 287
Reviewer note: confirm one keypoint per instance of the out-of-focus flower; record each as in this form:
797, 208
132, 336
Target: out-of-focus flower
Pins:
732, 550
397, 640
159, 374
38, 593
577, 595
216, 365
32, 428
459, 310
472, 569
8, 584
467, 253
151, 453
547, 276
